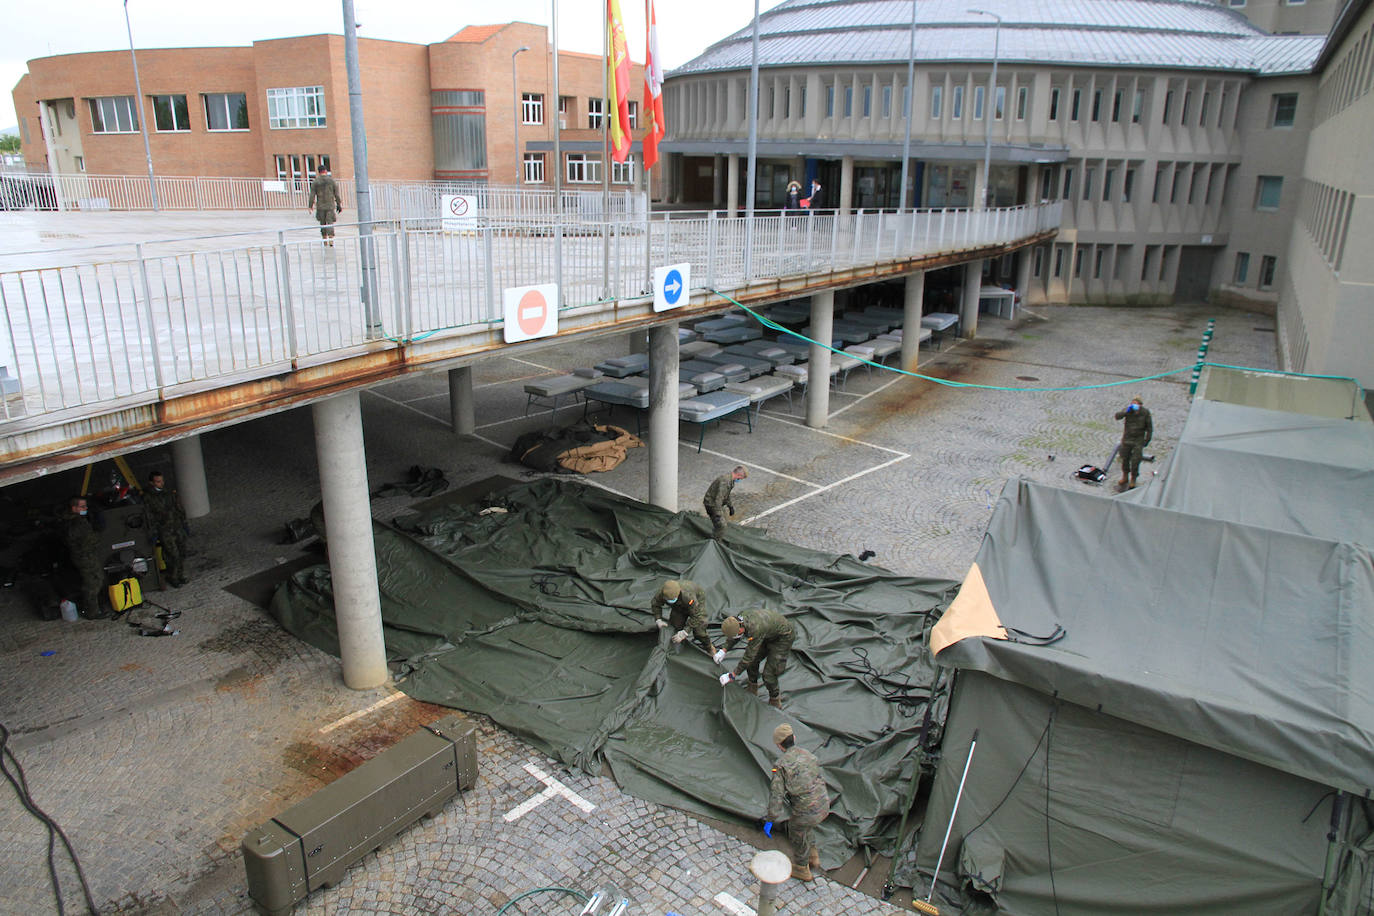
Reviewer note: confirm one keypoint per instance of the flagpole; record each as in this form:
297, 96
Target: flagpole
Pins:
605, 150
142, 121
557, 167
753, 152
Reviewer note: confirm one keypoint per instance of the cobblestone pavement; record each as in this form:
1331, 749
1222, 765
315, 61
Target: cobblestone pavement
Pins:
157, 755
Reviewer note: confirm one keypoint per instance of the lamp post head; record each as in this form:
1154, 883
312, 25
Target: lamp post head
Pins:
985, 13
519, 49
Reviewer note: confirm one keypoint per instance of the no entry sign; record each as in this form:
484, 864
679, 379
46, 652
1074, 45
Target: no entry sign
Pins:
530, 311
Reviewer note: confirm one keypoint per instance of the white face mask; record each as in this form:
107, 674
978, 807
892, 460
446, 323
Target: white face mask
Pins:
81, 512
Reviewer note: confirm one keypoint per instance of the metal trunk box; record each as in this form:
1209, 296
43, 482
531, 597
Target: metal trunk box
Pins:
312, 844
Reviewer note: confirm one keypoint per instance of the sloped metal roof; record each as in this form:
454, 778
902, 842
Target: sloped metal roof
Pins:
1187, 34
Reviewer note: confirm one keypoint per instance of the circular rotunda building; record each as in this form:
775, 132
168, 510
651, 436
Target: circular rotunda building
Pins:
1173, 130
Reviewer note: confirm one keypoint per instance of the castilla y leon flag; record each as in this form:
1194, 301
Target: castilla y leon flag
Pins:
653, 88
619, 64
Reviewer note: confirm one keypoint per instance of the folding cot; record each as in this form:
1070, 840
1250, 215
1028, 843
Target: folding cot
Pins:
734, 334
876, 350
732, 372
629, 392
558, 386
751, 365
939, 323
622, 366
763, 349
762, 389
701, 381
717, 405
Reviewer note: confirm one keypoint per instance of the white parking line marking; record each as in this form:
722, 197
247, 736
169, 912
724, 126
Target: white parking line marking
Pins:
733, 906
870, 394
362, 712
706, 451
554, 789
826, 432
794, 501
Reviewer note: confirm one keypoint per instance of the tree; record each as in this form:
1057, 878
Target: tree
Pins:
9, 144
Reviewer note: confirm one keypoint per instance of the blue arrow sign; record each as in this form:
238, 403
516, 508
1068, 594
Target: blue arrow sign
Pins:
672, 287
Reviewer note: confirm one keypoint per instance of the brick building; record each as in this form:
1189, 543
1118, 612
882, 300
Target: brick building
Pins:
279, 108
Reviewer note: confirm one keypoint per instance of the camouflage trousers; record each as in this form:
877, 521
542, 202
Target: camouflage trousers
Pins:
717, 518
773, 656
173, 549
1130, 458
802, 832
92, 582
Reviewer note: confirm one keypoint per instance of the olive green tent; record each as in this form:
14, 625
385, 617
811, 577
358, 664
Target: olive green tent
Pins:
1172, 713
537, 615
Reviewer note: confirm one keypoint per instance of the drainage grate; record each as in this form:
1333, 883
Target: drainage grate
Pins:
1027, 378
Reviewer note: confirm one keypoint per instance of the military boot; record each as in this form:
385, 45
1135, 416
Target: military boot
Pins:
775, 702
752, 689
802, 872
814, 860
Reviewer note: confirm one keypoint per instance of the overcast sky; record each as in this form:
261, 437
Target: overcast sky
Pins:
38, 29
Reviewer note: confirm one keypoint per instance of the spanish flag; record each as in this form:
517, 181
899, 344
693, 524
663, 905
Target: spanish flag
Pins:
653, 88
618, 64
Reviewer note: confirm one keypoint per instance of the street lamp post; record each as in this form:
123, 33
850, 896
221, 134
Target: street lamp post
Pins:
992, 104
138, 101
910, 101
515, 88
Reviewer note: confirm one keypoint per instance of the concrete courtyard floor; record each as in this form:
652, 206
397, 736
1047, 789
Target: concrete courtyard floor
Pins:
157, 755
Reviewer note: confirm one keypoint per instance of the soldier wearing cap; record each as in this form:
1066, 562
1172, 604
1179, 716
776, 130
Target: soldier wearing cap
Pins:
768, 635
798, 787
681, 605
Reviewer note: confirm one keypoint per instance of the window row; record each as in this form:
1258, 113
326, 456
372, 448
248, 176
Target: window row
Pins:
1240, 275
1325, 213
580, 168
1349, 78
297, 170
532, 110
224, 111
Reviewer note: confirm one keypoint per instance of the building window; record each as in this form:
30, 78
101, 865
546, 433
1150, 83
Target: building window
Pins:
1089, 176
583, 169
801, 102
772, 102
848, 101
1116, 106
1054, 104
887, 102
1127, 185
532, 108
594, 110
1058, 261
1159, 182
1283, 109
300, 106
1187, 106
1202, 112
1107, 177
1138, 107
1173, 189
80, 163
999, 103
299, 170
868, 102
829, 100
565, 107
1022, 103
634, 115
937, 98
114, 115
1068, 183
1237, 4
623, 172
1046, 183
1075, 104
534, 168
1097, 261
978, 93
1097, 105
1078, 264
1168, 106
1038, 264
956, 105
1268, 264
170, 113
1268, 191
1242, 271
225, 110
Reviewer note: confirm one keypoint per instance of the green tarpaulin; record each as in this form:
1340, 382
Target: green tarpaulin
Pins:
538, 618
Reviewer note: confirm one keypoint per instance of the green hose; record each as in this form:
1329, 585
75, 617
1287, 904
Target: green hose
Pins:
542, 890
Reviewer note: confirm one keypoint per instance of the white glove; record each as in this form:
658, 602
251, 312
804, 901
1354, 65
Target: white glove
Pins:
726, 678
679, 636
662, 624
719, 657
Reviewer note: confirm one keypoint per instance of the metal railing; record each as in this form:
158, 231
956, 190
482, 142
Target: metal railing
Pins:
95, 333
391, 200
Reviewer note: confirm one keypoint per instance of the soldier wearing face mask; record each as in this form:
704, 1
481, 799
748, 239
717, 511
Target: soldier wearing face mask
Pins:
86, 549
168, 522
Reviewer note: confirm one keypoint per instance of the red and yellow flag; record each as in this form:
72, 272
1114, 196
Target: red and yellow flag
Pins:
653, 88
618, 63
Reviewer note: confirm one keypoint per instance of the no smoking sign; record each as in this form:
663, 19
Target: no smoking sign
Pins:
530, 312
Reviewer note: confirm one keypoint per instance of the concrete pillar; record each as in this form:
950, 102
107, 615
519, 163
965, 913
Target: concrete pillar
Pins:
462, 407
189, 466
348, 524
663, 419
968, 309
818, 368
732, 185
912, 303
846, 184
1025, 258
717, 161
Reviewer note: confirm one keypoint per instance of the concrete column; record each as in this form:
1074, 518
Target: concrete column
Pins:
663, 419
912, 303
461, 406
818, 368
188, 465
1026, 257
732, 185
348, 525
846, 184
968, 310
717, 161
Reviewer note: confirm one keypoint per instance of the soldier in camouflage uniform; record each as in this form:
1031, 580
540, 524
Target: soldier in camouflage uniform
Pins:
798, 787
686, 614
718, 498
167, 521
1136, 433
86, 548
327, 203
768, 635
